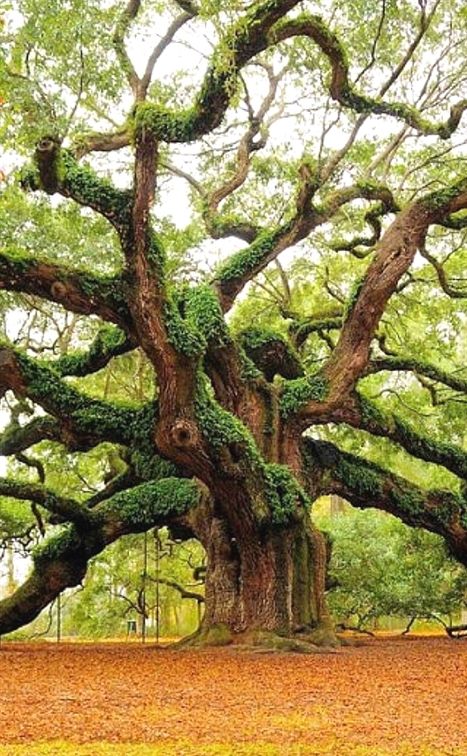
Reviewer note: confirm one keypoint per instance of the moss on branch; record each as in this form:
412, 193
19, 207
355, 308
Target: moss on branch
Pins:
366, 484
151, 503
379, 423
41, 383
298, 393
271, 353
242, 41
284, 494
341, 88
108, 343
57, 170
75, 289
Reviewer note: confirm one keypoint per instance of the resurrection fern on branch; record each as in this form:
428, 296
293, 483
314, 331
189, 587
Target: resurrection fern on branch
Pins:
238, 284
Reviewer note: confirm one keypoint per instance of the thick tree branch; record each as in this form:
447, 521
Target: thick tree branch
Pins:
58, 171
109, 342
60, 561
366, 484
242, 266
66, 508
394, 255
83, 418
16, 439
242, 41
418, 367
367, 416
76, 290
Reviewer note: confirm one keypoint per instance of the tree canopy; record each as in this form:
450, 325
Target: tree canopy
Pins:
257, 209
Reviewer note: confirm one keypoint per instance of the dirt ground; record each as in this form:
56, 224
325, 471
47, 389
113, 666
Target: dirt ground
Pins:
387, 696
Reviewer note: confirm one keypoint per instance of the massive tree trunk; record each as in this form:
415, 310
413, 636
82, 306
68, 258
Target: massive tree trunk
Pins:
263, 585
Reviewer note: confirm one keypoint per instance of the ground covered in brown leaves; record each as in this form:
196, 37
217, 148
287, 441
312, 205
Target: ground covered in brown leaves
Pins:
387, 696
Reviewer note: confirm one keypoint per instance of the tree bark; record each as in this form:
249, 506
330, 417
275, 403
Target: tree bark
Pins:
266, 583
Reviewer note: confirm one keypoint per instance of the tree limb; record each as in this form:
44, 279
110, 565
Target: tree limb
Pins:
366, 484
76, 290
341, 88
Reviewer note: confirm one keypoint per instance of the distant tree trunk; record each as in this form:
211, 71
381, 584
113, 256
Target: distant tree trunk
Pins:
10, 564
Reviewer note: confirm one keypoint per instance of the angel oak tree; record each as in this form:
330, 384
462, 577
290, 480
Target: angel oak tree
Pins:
371, 97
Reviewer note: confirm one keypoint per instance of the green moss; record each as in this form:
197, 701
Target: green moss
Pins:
86, 187
442, 197
146, 463
371, 413
110, 420
57, 545
165, 125
248, 259
255, 338
156, 257
270, 352
183, 337
194, 320
220, 427
204, 314
362, 479
15, 262
409, 501
283, 493
153, 502
248, 369
353, 296
297, 393
109, 341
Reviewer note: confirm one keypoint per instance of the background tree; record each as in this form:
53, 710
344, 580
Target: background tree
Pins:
282, 132
379, 568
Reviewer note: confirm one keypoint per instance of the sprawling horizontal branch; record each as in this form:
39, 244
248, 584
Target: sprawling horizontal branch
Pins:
366, 484
76, 290
66, 508
301, 330
418, 367
367, 416
60, 561
87, 421
341, 88
16, 438
109, 342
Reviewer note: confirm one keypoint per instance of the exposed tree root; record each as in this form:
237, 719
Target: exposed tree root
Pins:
258, 641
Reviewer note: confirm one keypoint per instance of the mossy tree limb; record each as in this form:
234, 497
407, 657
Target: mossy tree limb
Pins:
369, 417
341, 88
418, 367
87, 420
76, 290
58, 171
365, 484
60, 562
68, 509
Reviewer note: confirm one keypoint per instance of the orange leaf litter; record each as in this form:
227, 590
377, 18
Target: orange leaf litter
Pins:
383, 696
